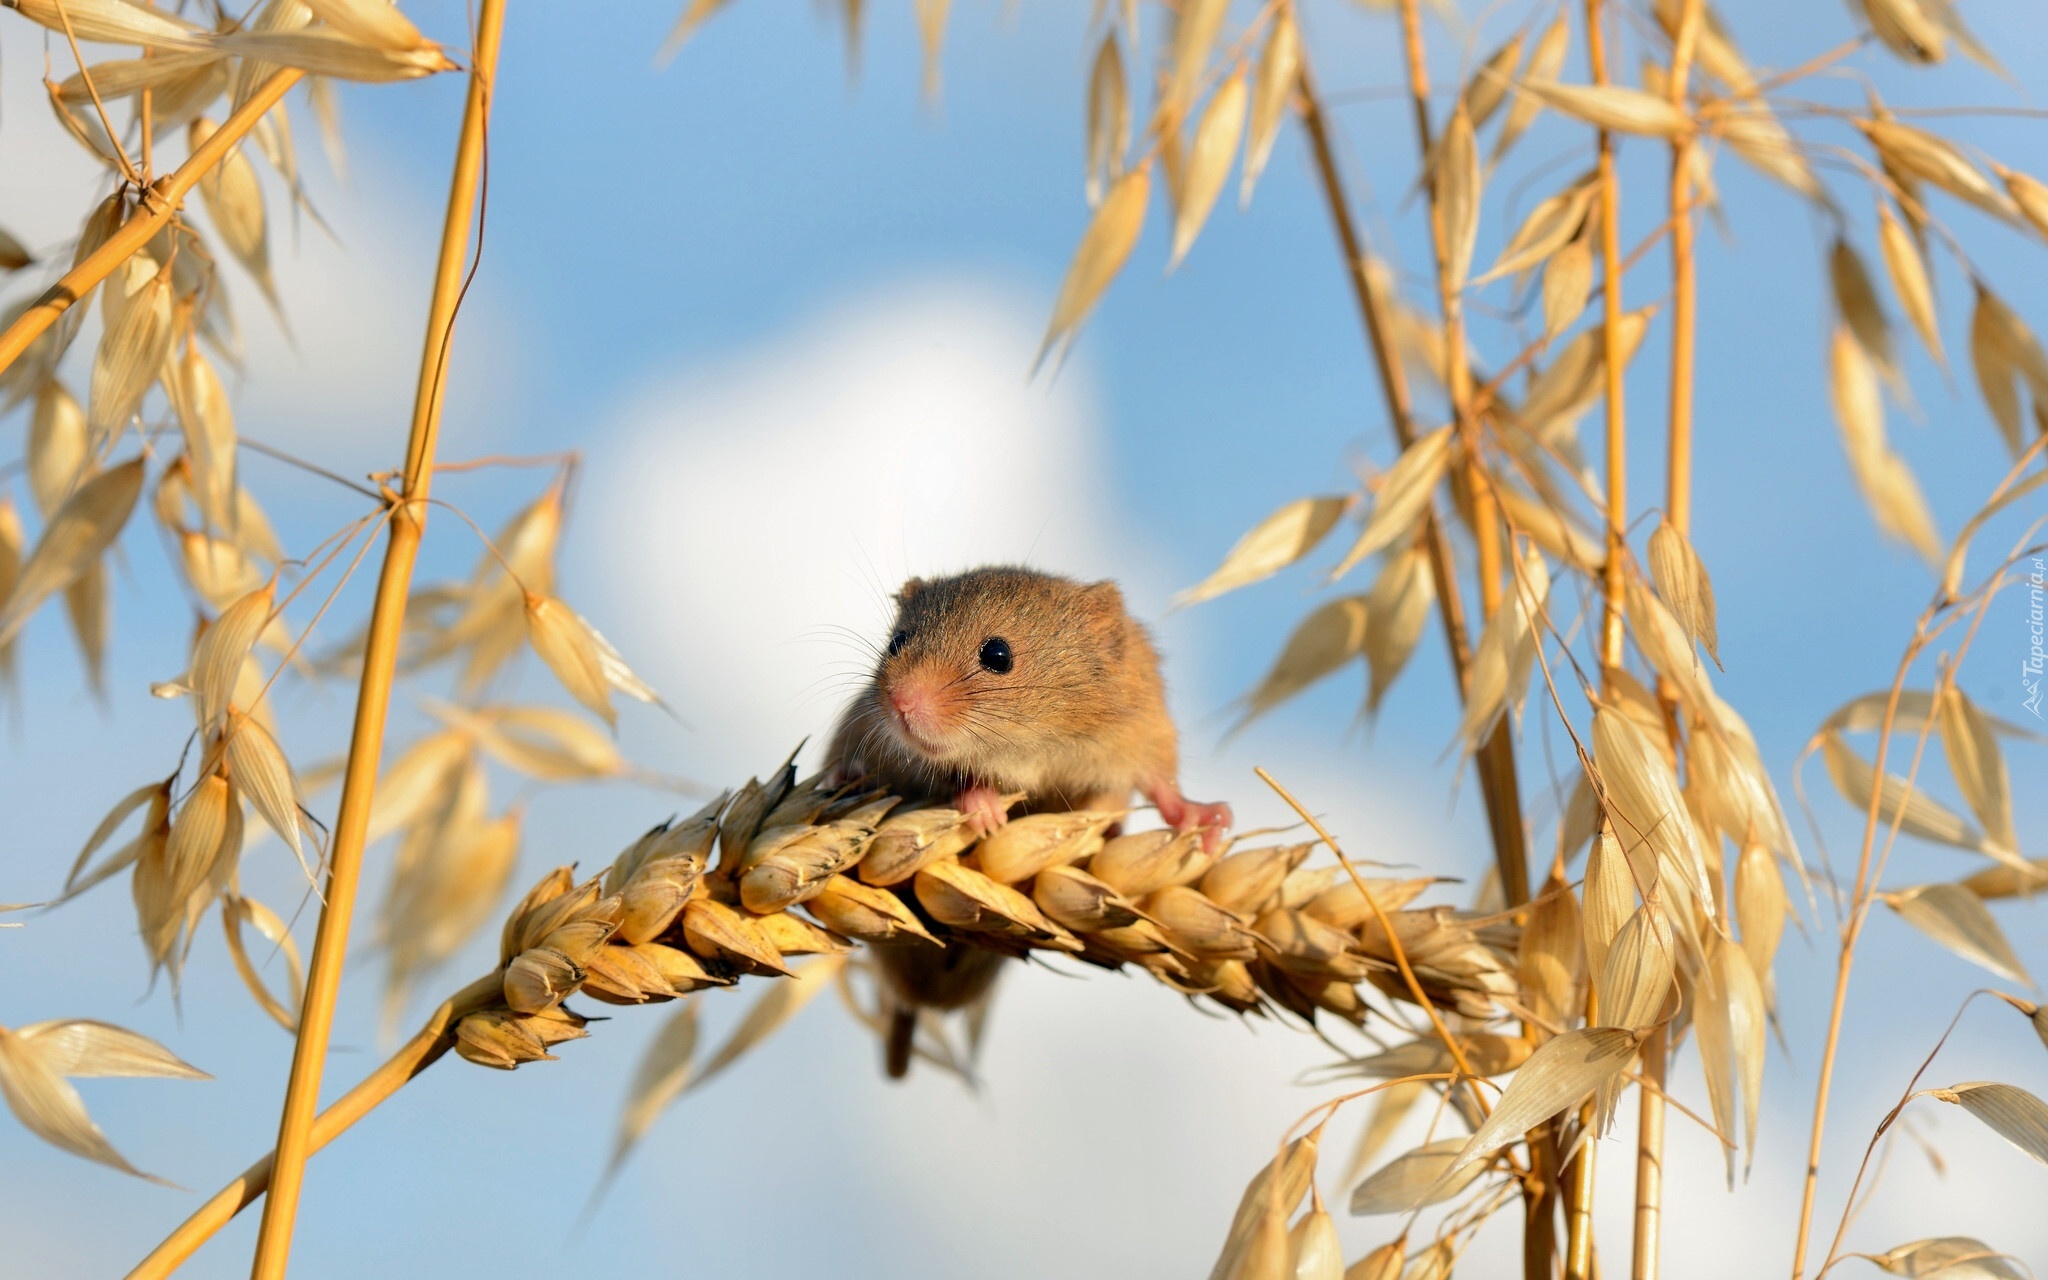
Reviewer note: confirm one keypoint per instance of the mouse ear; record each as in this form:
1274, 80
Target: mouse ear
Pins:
909, 589
1105, 593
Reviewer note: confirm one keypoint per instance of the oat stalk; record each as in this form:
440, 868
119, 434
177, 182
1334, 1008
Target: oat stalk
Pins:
1498, 783
1870, 863
1656, 1051
1495, 759
380, 661
1578, 1263
158, 203
1470, 486
1393, 375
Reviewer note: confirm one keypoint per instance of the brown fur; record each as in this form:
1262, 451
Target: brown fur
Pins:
1079, 721
1081, 718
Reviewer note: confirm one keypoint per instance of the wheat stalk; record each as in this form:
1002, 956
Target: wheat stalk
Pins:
1250, 929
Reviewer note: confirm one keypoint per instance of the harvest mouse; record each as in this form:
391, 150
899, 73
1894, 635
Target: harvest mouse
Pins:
1009, 680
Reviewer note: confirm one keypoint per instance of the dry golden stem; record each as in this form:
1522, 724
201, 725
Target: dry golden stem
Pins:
1578, 1261
380, 660
414, 1056
1393, 374
1851, 930
159, 201
1677, 510
1540, 1200
1613, 583
148, 128
1496, 757
1650, 1156
1861, 899
1684, 291
1458, 369
1498, 782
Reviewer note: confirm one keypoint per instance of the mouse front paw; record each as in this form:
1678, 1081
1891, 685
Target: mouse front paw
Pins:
1183, 814
1212, 820
984, 807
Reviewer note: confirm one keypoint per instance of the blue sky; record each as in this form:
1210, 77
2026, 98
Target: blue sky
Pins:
787, 320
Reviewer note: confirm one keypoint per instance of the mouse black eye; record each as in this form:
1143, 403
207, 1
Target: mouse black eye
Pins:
897, 641
995, 655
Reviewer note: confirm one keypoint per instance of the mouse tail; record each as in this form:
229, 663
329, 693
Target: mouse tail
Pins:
902, 1036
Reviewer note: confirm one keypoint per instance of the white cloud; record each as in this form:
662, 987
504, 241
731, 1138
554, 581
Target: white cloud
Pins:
751, 521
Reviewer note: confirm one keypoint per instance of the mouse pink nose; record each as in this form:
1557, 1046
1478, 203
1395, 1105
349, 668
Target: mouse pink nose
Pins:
918, 704
912, 702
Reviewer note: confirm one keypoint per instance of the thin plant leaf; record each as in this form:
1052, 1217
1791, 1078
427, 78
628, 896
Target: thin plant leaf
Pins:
156, 794
1614, 107
1325, 641
1908, 271
1978, 766
1457, 196
2008, 1110
569, 646
237, 911
1549, 226
325, 52
1109, 117
1217, 135
1272, 84
1682, 580
1403, 496
1636, 977
1396, 610
1948, 1258
82, 1047
49, 1107
1563, 1072
112, 22
1888, 485
1274, 543
1274, 1191
83, 527
218, 657
260, 771
661, 1077
57, 449
1545, 61
1415, 1179
1856, 302
1195, 28
1104, 247
1915, 812
1959, 922
777, 1005
1313, 1250
1925, 156
130, 355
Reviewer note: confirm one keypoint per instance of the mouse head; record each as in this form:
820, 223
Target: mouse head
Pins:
997, 662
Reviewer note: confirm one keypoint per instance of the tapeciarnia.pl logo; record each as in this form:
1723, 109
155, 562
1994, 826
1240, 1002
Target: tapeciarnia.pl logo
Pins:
2037, 623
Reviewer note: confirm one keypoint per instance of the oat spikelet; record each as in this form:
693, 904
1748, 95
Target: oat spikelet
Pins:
1107, 243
